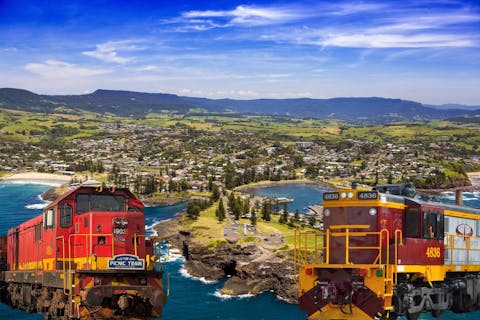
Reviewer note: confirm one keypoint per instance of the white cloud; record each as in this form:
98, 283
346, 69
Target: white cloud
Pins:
60, 69
433, 21
9, 49
145, 68
241, 16
387, 36
342, 9
108, 51
397, 41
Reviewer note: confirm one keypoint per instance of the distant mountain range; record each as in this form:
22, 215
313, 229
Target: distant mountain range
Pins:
126, 103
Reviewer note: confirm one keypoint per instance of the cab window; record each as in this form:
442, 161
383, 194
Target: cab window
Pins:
99, 202
66, 215
432, 225
411, 223
49, 219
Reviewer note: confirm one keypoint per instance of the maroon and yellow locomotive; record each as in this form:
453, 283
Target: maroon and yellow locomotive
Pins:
385, 253
85, 257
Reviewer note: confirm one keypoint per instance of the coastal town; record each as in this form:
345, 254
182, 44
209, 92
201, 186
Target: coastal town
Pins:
161, 160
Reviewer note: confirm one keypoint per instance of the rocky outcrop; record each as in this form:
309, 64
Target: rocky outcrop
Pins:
250, 269
274, 274
53, 193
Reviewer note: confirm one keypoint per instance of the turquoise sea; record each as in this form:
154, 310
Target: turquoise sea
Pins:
190, 299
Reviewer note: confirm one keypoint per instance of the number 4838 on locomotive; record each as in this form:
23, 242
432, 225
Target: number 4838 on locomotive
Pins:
85, 257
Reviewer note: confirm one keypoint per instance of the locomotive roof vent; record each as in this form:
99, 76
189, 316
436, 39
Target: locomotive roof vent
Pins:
401, 189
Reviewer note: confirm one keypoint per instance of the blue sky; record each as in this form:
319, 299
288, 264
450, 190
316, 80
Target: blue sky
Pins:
427, 51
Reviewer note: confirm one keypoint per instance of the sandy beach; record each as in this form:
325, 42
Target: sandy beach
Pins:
37, 177
474, 178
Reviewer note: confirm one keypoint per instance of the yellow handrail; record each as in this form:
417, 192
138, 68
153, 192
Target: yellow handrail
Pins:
460, 250
307, 244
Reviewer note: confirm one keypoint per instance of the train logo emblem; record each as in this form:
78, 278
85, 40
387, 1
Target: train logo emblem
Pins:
126, 261
464, 230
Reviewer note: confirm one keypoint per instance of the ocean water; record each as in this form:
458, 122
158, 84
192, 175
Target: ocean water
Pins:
303, 195
190, 298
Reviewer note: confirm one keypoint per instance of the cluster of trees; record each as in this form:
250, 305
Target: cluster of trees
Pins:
146, 185
249, 174
87, 165
240, 207
195, 206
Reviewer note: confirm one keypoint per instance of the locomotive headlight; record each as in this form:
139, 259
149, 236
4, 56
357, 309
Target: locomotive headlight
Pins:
372, 211
124, 222
326, 212
350, 195
343, 195
116, 220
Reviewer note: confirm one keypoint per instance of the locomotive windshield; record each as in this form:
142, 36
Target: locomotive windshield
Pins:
99, 202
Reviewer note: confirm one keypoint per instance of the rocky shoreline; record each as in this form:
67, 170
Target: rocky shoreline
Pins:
250, 269
154, 202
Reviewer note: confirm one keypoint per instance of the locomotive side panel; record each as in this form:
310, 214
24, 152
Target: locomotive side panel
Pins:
23, 247
462, 240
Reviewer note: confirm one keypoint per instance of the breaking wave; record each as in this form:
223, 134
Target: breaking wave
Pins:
218, 293
185, 274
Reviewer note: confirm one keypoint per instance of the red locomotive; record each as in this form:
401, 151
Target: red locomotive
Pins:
386, 253
85, 257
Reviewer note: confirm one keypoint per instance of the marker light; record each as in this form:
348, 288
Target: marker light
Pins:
363, 272
309, 271
372, 211
326, 212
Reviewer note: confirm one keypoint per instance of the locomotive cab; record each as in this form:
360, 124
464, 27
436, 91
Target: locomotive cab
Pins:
423, 234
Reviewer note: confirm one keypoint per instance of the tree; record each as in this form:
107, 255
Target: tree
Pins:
236, 208
193, 210
246, 206
215, 193
229, 176
253, 217
220, 212
266, 211
284, 217
231, 198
